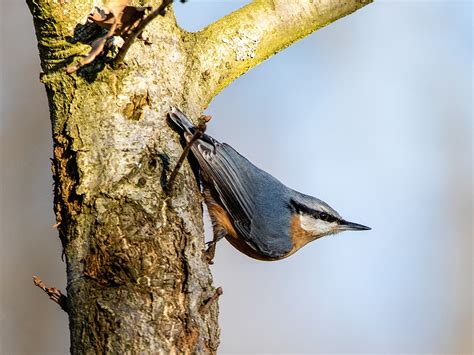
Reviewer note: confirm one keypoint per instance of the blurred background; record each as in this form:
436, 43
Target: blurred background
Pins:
372, 114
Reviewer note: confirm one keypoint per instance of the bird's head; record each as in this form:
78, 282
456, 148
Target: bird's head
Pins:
317, 219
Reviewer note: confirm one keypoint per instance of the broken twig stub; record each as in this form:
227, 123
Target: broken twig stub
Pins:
205, 307
54, 294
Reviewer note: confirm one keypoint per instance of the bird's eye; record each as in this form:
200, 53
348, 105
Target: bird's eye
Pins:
323, 215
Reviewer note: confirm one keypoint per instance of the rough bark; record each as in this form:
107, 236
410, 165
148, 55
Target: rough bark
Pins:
136, 278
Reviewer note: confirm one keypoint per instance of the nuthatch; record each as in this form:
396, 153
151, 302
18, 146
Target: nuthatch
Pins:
254, 211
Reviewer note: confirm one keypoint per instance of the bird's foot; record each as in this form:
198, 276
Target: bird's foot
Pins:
209, 253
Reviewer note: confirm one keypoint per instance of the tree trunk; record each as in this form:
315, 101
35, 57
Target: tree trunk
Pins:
136, 278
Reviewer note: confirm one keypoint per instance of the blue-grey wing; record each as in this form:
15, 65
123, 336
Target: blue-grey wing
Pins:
219, 170
239, 188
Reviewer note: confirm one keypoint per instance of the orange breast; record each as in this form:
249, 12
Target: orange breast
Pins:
221, 219
299, 236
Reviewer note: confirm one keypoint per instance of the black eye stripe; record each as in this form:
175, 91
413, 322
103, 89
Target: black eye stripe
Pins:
324, 216
300, 208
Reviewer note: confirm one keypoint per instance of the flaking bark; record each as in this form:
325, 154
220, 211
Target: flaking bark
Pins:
137, 281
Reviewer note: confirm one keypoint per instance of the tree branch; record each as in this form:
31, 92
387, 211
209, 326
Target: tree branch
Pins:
239, 41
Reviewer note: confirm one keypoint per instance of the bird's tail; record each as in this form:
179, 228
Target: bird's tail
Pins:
181, 120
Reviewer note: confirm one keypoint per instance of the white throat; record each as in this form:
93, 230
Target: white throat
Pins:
316, 226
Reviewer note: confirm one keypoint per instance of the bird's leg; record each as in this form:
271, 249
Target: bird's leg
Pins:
210, 251
200, 129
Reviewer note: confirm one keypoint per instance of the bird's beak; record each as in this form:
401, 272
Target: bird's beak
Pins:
349, 226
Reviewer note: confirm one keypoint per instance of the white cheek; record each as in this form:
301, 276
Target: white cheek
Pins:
317, 226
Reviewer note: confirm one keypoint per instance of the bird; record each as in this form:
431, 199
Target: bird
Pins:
251, 209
